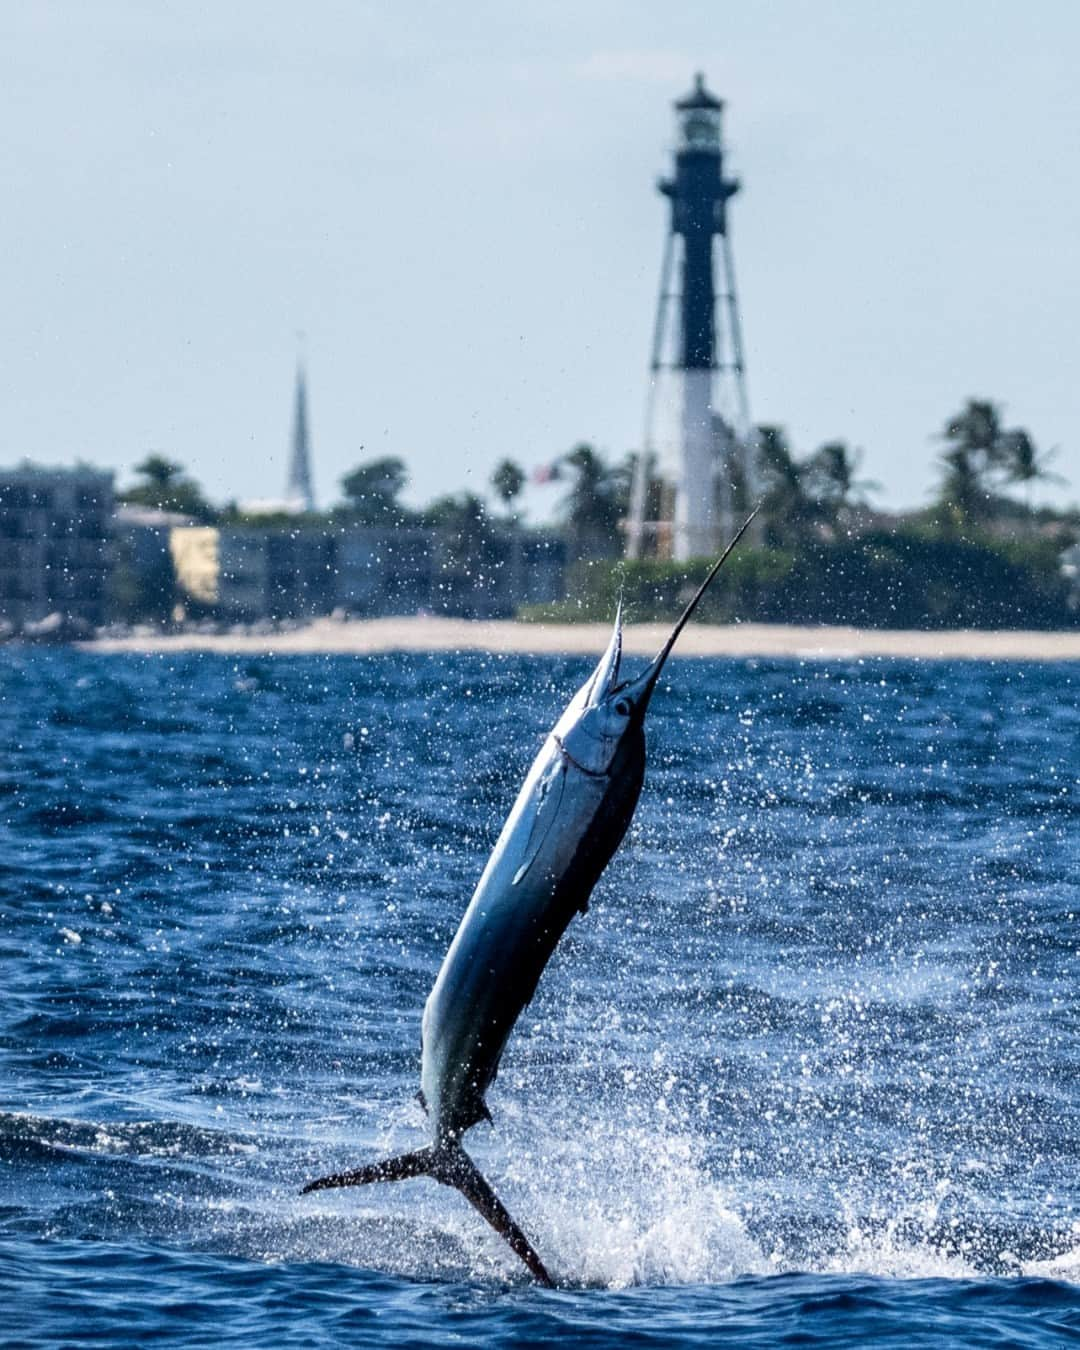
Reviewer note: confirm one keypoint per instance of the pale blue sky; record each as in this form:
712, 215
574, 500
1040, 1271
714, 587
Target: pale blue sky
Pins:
456, 203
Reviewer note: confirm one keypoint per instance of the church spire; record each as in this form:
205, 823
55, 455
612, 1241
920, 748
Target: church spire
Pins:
299, 489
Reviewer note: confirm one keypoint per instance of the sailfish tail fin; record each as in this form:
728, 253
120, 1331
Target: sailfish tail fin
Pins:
449, 1164
402, 1167
457, 1169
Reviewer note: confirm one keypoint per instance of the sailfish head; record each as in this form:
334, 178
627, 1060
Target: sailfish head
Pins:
606, 710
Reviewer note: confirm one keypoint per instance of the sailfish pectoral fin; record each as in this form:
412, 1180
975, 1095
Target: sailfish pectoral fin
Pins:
547, 812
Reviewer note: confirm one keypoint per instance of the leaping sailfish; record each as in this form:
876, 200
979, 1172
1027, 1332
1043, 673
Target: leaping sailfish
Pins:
569, 818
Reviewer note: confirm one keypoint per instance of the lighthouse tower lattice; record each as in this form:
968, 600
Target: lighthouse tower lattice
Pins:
698, 460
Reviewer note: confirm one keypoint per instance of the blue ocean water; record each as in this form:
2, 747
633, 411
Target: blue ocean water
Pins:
806, 1073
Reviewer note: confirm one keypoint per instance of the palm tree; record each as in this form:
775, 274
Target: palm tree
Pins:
595, 504
982, 457
788, 508
963, 486
832, 469
507, 480
977, 428
1025, 464
975, 451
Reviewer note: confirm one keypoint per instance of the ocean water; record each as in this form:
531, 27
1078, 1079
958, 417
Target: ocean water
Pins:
806, 1073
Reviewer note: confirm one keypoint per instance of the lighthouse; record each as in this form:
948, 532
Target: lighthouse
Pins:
698, 438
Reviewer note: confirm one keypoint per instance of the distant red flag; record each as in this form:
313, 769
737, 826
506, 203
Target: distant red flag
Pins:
546, 473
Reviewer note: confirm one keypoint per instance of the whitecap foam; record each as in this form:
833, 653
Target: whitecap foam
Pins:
1065, 1266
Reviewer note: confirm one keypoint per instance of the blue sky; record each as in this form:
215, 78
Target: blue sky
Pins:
456, 205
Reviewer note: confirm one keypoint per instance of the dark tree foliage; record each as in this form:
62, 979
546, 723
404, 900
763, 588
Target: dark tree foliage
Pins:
463, 552
811, 497
654, 486
906, 579
507, 482
981, 459
972, 455
881, 579
598, 501
1024, 464
789, 507
167, 487
372, 489
458, 513
830, 474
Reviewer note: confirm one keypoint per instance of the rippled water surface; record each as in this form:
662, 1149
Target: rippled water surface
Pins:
806, 1072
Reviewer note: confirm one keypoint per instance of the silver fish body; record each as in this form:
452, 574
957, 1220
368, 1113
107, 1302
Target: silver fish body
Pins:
569, 818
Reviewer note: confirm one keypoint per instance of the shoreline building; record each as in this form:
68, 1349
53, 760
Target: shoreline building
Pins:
55, 550
290, 565
697, 467
249, 573
424, 569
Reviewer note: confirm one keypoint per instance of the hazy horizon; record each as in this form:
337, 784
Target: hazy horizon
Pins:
458, 209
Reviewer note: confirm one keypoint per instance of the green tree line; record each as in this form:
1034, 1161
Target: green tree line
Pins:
980, 466
978, 554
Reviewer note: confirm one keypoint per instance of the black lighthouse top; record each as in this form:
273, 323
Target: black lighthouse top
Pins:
699, 119
699, 97
699, 193
698, 189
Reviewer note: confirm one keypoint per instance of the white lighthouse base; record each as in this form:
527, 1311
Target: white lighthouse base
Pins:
695, 487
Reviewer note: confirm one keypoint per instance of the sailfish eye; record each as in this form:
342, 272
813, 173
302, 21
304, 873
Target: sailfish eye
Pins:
623, 707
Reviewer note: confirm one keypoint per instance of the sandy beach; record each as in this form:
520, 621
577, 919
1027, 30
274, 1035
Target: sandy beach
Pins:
740, 640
